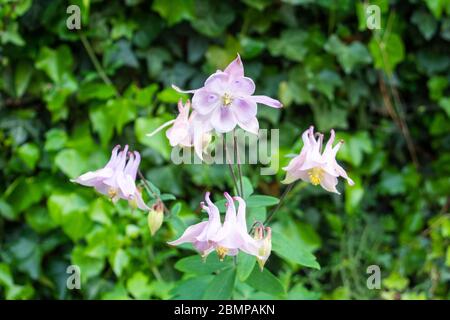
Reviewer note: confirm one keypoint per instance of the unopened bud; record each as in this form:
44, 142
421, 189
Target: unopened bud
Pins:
155, 217
263, 236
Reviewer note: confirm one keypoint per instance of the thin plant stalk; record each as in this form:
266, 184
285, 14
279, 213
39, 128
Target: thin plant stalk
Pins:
283, 196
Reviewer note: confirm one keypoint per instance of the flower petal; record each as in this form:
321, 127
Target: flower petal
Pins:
223, 120
244, 109
205, 101
241, 86
190, 234
217, 83
235, 69
251, 126
183, 91
268, 101
329, 182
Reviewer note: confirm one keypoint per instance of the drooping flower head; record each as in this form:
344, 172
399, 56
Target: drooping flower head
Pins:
188, 129
201, 234
314, 166
227, 238
227, 100
117, 179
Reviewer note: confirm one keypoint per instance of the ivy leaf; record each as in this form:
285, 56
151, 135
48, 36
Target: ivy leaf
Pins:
70, 162
425, 22
29, 153
387, 52
174, 11
138, 285
348, 56
212, 17
159, 142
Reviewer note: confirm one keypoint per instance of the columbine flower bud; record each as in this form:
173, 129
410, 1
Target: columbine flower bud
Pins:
264, 244
155, 217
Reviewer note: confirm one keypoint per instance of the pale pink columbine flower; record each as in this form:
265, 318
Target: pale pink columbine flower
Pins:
314, 166
188, 129
226, 239
227, 100
117, 178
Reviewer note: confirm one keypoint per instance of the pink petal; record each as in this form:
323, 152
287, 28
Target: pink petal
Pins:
223, 120
92, 178
244, 109
190, 233
183, 91
235, 69
177, 133
329, 182
217, 83
267, 101
205, 101
242, 86
126, 184
140, 202
241, 221
251, 126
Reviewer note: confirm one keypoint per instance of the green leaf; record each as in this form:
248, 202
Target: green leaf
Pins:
70, 162
120, 261
55, 63
55, 139
29, 153
425, 22
89, 266
174, 11
24, 71
387, 52
436, 86
138, 285
39, 219
437, 7
159, 142
258, 201
248, 188
212, 17
192, 289
349, 56
291, 44
286, 249
95, 90
222, 285
245, 265
195, 265
265, 281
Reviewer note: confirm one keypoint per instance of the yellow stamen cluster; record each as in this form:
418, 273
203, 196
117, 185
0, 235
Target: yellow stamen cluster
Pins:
315, 175
227, 99
112, 193
221, 252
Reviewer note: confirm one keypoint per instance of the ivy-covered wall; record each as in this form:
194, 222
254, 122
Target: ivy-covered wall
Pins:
68, 96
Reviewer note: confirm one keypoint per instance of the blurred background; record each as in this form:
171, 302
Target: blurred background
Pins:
68, 96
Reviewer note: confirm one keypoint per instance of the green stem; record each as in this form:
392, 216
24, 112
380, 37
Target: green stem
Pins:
238, 159
150, 191
230, 166
96, 63
283, 196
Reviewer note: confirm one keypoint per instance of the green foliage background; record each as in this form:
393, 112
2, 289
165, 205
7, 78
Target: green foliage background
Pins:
385, 91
